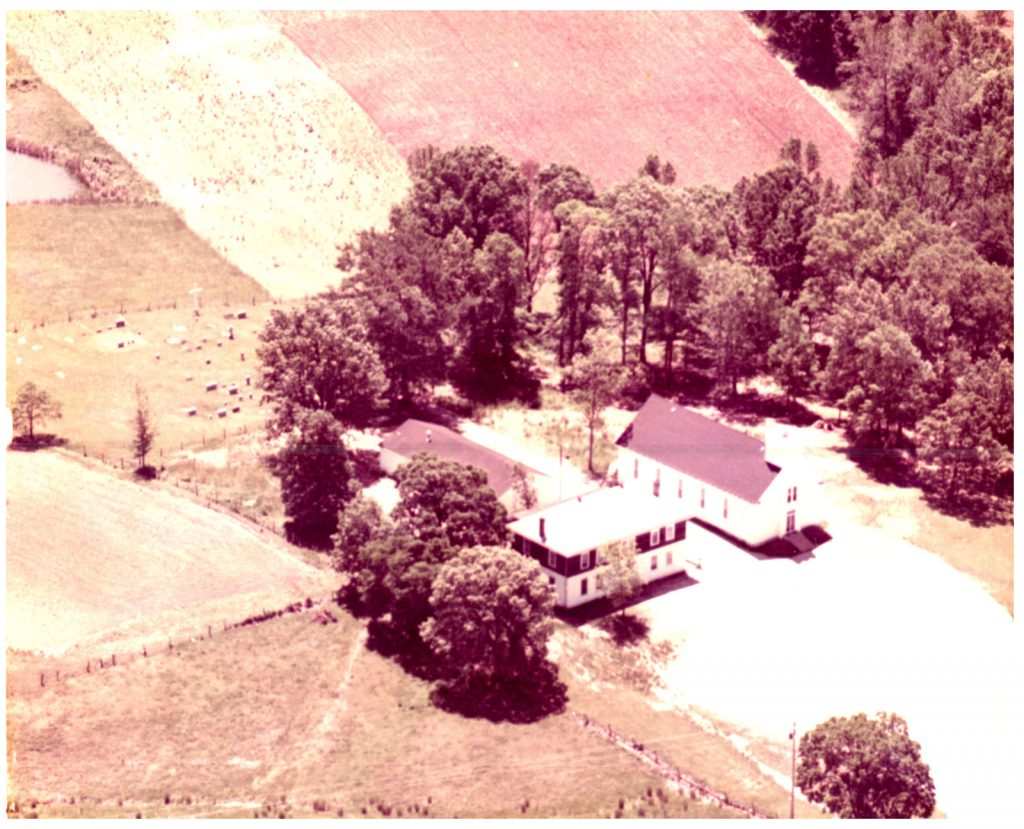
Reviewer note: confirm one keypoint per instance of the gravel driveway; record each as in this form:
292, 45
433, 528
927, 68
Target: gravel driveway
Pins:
865, 623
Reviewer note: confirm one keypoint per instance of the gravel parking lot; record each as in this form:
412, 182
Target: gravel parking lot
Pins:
865, 623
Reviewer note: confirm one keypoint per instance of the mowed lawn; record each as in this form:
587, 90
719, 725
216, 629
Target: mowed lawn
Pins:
291, 712
74, 258
597, 90
94, 558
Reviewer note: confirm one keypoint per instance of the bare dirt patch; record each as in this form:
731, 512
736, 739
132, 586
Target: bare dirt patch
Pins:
91, 557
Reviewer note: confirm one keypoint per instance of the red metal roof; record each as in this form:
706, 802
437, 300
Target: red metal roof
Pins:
695, 445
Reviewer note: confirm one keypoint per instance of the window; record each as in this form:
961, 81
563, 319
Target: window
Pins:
551, 580
725, 508
669, 533
702, 497
636, 467
584, 587
668, 559
654, 538
657, 483
598, 584
790, 494
654, 562
552, 560
679, 488
794, 493
680, 530
584, 560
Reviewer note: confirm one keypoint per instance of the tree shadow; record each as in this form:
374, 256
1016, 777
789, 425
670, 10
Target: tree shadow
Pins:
404, 648
625, 629
978, 508
892, 466
23, 443
366, 463
313, 536
751, 408
519, 700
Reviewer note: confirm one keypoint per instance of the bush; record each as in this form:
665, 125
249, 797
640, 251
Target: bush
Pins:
146, 473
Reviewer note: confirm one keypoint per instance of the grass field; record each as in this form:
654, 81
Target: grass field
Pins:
38, 116
93, 558
215, 729
74, 258
95, 380
260, 153
600, 91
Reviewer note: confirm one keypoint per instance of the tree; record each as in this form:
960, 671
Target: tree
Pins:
142, 426
865, 768
319, 358
739, 315
891, 391
636, 227
791, 357
33, 406
619, 578
361, 524
958, 456
448, 500
522, 486
581, 260
473, 188
490, 366
490, 629
317, 478
596, 383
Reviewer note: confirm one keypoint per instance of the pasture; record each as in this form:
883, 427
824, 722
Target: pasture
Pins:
213, 729
94, 559
599, 91
75, 258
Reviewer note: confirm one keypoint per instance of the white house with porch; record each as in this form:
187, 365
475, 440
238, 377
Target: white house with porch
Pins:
751, 490
565, 539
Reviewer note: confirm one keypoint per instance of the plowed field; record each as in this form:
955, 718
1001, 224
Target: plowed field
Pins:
599, 90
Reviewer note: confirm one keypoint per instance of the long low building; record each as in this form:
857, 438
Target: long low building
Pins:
566, 539
415, 436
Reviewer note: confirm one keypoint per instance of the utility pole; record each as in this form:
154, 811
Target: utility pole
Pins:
792, 772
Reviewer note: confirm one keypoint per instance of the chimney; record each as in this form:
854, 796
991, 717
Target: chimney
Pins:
543, 535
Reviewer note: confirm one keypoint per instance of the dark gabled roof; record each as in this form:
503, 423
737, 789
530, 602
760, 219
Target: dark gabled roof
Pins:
411, 437
699, 447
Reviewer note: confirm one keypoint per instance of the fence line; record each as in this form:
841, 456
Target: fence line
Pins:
94, 312
676, 779
113, 659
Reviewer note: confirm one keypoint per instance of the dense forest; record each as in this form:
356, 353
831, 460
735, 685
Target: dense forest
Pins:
891, 297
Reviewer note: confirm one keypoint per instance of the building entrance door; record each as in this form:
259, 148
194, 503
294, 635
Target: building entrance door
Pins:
791, 521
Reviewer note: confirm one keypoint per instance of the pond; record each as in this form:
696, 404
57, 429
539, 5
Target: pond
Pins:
29, 179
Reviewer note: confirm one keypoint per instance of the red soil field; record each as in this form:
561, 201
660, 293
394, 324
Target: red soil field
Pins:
599, 90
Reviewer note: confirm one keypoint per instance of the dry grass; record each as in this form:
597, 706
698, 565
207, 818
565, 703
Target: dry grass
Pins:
289, 713
74, 258
262, 154
41, 118
95, 380
91, 558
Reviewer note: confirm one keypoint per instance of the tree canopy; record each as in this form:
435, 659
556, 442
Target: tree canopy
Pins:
317, 477
865, 768
319, 358
33, 406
